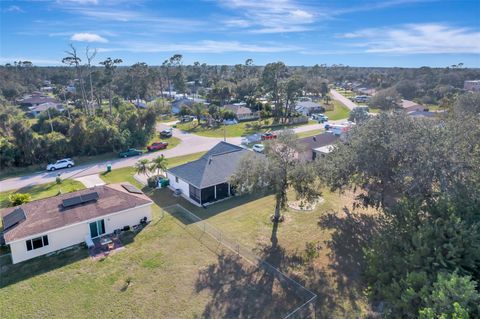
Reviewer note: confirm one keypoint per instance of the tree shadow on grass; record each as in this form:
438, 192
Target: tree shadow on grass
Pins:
241, 290
351, 233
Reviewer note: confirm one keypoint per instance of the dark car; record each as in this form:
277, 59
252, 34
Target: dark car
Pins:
166, 133
268, 136
157, 146
130, 152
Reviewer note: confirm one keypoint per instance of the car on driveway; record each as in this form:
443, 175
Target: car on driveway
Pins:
63, 163
259, 148
157, 146
321, 118
268, 136
130, 152
166, 133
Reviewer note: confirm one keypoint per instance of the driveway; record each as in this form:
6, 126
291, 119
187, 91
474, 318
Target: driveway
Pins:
190, 144
342, 99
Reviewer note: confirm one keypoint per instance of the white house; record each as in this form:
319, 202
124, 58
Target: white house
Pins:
47, 225
472, 85
206, 180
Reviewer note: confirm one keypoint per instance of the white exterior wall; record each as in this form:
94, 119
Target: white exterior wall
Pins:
75, 234
182, 185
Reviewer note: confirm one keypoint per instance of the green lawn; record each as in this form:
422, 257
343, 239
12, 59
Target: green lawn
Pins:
235, 130
43, 190
339, 111
125, 174
335, 274
310, 133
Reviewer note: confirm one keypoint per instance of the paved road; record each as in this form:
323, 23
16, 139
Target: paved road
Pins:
190, 144
345, 101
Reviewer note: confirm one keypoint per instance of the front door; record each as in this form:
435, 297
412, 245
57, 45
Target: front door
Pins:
97, 228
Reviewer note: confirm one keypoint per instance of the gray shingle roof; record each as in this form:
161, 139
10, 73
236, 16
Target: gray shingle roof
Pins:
215, 167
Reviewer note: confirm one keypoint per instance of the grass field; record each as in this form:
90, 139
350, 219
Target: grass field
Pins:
339, 111
43, 190
335, 274
235, 130
310, 133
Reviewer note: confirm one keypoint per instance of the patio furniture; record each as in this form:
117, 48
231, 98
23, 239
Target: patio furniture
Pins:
110, 245
105, 241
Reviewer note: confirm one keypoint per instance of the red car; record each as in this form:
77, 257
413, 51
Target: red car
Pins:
268, 136
157, 146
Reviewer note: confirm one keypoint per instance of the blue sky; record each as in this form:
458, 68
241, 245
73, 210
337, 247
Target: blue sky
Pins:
404, 33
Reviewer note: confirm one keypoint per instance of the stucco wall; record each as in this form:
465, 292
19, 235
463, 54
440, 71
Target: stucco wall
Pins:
75, 234
180, 185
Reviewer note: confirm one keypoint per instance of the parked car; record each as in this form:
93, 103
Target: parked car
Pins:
187, 118
130, 152
230, 122
166, 133
157, 146
321, 118
259, 148
63, 163
268, 136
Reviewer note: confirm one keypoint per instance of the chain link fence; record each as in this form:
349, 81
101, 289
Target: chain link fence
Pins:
305, 310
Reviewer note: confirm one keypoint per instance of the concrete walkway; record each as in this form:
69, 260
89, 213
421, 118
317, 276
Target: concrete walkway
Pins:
90, 180
342, 99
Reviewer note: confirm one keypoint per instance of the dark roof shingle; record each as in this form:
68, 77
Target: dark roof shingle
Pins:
215, 167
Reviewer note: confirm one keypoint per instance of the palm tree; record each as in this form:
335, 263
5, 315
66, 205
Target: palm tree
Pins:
158, 164
142, 166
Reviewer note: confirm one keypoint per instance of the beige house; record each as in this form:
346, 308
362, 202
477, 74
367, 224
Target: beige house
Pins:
242, 113
47, 225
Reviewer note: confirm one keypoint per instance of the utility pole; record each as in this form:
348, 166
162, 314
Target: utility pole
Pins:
50, 119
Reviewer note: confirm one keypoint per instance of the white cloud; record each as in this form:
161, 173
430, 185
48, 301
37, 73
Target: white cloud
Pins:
80, 2
88, 37
13, 8
206, 46
417, 39
270, 16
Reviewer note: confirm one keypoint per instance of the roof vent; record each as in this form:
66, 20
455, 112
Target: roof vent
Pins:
14, 218
77, 200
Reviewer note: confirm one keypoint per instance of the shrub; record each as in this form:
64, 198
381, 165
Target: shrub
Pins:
152, 181
18, 199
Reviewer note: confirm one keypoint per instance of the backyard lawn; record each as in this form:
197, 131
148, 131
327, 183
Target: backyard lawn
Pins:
339, 111
334, 273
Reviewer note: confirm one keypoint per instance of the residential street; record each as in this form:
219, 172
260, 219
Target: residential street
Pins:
190, 144
337, 96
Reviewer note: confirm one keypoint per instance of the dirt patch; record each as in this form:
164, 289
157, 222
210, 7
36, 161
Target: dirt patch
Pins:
304, 206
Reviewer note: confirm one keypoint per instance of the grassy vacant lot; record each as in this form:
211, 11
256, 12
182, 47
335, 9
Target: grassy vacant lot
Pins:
43, 190
339, 111
235, 130
310, 133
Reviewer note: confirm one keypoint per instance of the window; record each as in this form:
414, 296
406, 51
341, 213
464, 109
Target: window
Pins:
36, 243
97, 228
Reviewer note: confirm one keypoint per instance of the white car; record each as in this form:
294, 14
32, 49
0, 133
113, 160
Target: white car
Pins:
63, 163
259, 148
